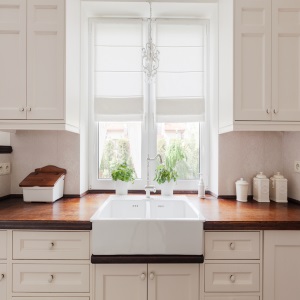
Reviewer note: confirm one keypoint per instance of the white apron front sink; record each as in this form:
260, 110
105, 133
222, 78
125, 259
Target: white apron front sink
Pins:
134, 225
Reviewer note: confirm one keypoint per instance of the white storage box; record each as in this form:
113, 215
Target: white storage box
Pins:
44, 185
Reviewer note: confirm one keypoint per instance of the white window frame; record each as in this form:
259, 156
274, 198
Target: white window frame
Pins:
148, 129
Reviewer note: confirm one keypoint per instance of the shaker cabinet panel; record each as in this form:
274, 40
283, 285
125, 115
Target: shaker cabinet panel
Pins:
173, 281
12, 59
51, 278
286, 60
3, 281
50, 245
3, 244
126, 282
252, 60
281, 265
232, 277
232, 245
45, 59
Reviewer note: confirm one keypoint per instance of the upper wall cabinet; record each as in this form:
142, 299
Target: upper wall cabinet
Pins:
259, 65
40, 64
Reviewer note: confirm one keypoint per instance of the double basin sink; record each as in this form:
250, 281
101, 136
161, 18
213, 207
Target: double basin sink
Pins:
135, 225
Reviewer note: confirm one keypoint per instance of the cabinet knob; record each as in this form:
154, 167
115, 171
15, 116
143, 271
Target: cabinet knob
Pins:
268, 111
232, 278
50, 279
151, 276
28, 108
232, 245
1, 276
275, 111
52, 245
143, 276
21, 109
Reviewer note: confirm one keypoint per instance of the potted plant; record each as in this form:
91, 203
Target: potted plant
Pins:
166, 177
122, 174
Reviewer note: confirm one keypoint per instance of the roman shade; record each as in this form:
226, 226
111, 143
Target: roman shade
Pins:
180, 85
118, 77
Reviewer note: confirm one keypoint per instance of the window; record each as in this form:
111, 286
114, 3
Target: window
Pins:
132, 118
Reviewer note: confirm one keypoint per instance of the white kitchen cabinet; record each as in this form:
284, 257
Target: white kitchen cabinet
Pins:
232, 266
3, 281
3, 264
40, 42
142, 281
12, 59
286, 60
50, 265
259, 65
281, 265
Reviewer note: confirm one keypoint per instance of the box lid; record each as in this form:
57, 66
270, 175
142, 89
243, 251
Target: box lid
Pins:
43, 177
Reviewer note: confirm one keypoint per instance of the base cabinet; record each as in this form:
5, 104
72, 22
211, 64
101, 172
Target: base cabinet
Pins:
3, 282
281, 265
232, 266
147, 282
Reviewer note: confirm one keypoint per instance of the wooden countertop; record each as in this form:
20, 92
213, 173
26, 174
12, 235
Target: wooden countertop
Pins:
220, 214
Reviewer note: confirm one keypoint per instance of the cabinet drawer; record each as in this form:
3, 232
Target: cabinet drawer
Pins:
231, 277
3, 281
3, 244
50, 278
232, 245
50, 245
232, 298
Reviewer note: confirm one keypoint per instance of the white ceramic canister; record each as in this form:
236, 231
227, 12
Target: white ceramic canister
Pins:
278, 188
241, 190
121, 187
261, 188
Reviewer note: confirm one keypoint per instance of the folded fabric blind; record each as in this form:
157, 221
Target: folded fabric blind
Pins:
180, 85
118, 77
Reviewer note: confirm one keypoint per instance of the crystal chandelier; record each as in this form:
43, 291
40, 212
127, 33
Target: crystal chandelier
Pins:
150, 53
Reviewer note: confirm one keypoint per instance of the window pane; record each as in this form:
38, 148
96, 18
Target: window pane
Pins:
178, 144
118, 143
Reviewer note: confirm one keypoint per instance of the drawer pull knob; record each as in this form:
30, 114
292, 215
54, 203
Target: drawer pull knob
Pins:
51, 277
232, 245
232, 278
151, 275
1, 276
21, 109
51, 245
143, 276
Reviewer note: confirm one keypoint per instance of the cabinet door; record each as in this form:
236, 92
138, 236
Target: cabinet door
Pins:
281, 271
121, 281
252, 60
3, 281
286, 60
173, 282
12, 59
45, 59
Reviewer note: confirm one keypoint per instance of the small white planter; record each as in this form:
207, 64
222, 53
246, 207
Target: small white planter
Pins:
167, 188
121, 187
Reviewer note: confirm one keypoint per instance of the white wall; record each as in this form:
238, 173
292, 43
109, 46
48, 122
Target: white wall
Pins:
244, 154
291, 152
35, 149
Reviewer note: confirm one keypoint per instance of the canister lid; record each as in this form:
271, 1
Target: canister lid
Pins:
241, 182
261, 175
278, 176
